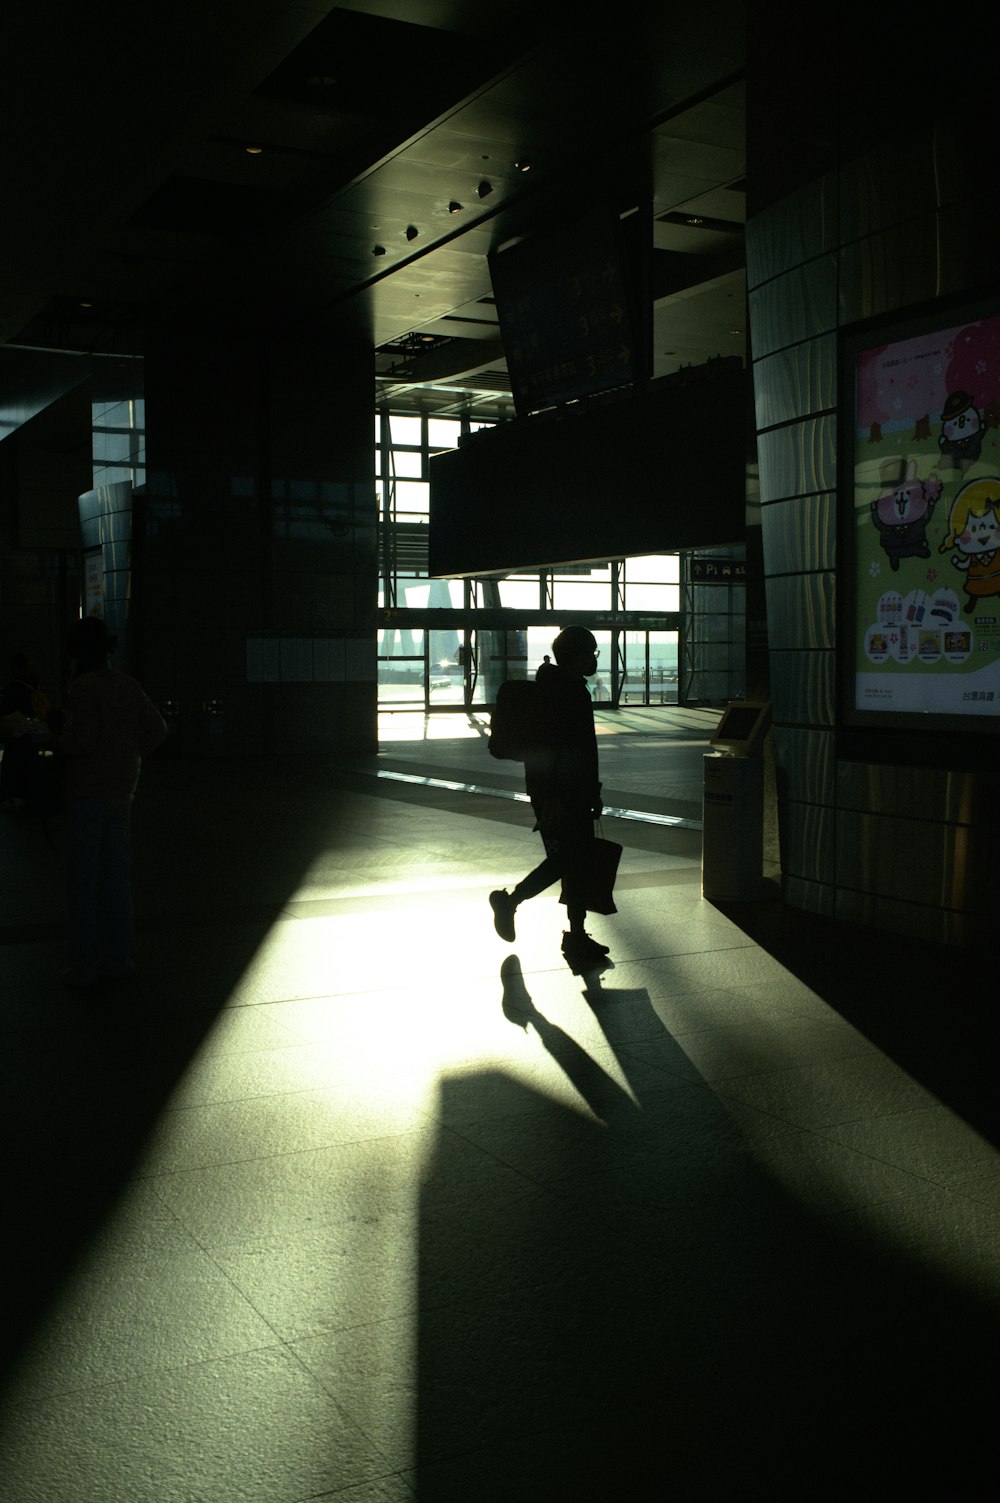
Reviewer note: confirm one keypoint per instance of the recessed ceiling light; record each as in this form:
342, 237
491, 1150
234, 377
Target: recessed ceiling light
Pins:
254, 150
378, 250
454, 208
524, 165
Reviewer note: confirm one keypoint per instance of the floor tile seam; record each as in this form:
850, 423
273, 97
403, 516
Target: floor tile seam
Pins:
936, 1109
866, 1116
89, 1385
170, 1112
858, 1052
749, 1026
650, 958
911, 1173
359, 994
621, 1053
678, 1031
317, 1380
454, 1131
151, 1177
275, 1157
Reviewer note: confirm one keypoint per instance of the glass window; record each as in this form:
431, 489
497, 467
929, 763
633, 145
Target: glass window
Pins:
412, 593
413, 496
447, 593
405, 430
443, 433
111, 447
400, 642
652, 597
112, 475
405, 462
520, 594
580, 595
653, 568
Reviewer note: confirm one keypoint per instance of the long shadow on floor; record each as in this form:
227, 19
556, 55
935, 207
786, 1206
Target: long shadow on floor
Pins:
640, 1307
218, 848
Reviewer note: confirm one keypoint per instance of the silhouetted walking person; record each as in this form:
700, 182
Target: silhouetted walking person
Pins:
563, 785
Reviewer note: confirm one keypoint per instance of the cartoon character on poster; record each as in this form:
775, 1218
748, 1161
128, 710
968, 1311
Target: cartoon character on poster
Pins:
901, 514
974, 534
961, 429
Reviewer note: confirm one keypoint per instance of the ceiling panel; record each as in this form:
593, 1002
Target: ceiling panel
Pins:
132, 187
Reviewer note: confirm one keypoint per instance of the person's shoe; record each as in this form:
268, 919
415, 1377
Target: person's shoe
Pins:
584, 953
503, 906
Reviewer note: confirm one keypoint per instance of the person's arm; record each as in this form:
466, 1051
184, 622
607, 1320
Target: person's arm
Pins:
152, 726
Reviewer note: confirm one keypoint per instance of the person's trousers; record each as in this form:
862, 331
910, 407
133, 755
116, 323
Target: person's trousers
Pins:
100, 886
569, 849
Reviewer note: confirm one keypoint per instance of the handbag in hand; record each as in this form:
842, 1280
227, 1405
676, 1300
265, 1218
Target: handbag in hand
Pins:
598, 885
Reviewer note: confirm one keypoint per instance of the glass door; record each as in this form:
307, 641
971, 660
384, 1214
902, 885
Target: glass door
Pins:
446, 663
650, 672
401, 668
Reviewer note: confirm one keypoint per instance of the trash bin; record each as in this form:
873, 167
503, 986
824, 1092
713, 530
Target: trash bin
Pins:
732, 848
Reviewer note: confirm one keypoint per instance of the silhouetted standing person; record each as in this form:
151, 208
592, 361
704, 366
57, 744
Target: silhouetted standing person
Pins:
565, 792
108, 727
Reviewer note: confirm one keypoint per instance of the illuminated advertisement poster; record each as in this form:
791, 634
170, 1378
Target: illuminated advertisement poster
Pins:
93, 582
925, 546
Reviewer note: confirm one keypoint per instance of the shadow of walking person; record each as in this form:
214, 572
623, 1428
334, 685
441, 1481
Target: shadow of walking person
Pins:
605, 1097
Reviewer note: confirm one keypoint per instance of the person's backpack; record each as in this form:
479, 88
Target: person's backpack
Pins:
516, 727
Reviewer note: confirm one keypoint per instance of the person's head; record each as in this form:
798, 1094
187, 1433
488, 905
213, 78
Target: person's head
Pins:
575, 650
90, 644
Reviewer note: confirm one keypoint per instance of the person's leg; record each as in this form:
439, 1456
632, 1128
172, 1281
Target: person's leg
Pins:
580, 950
116, 892
85, 823
504, 904
548, 870
577, 852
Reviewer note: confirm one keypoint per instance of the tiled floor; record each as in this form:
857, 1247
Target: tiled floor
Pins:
349, 1199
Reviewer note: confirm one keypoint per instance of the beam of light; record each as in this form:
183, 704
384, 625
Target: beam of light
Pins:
640, 816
